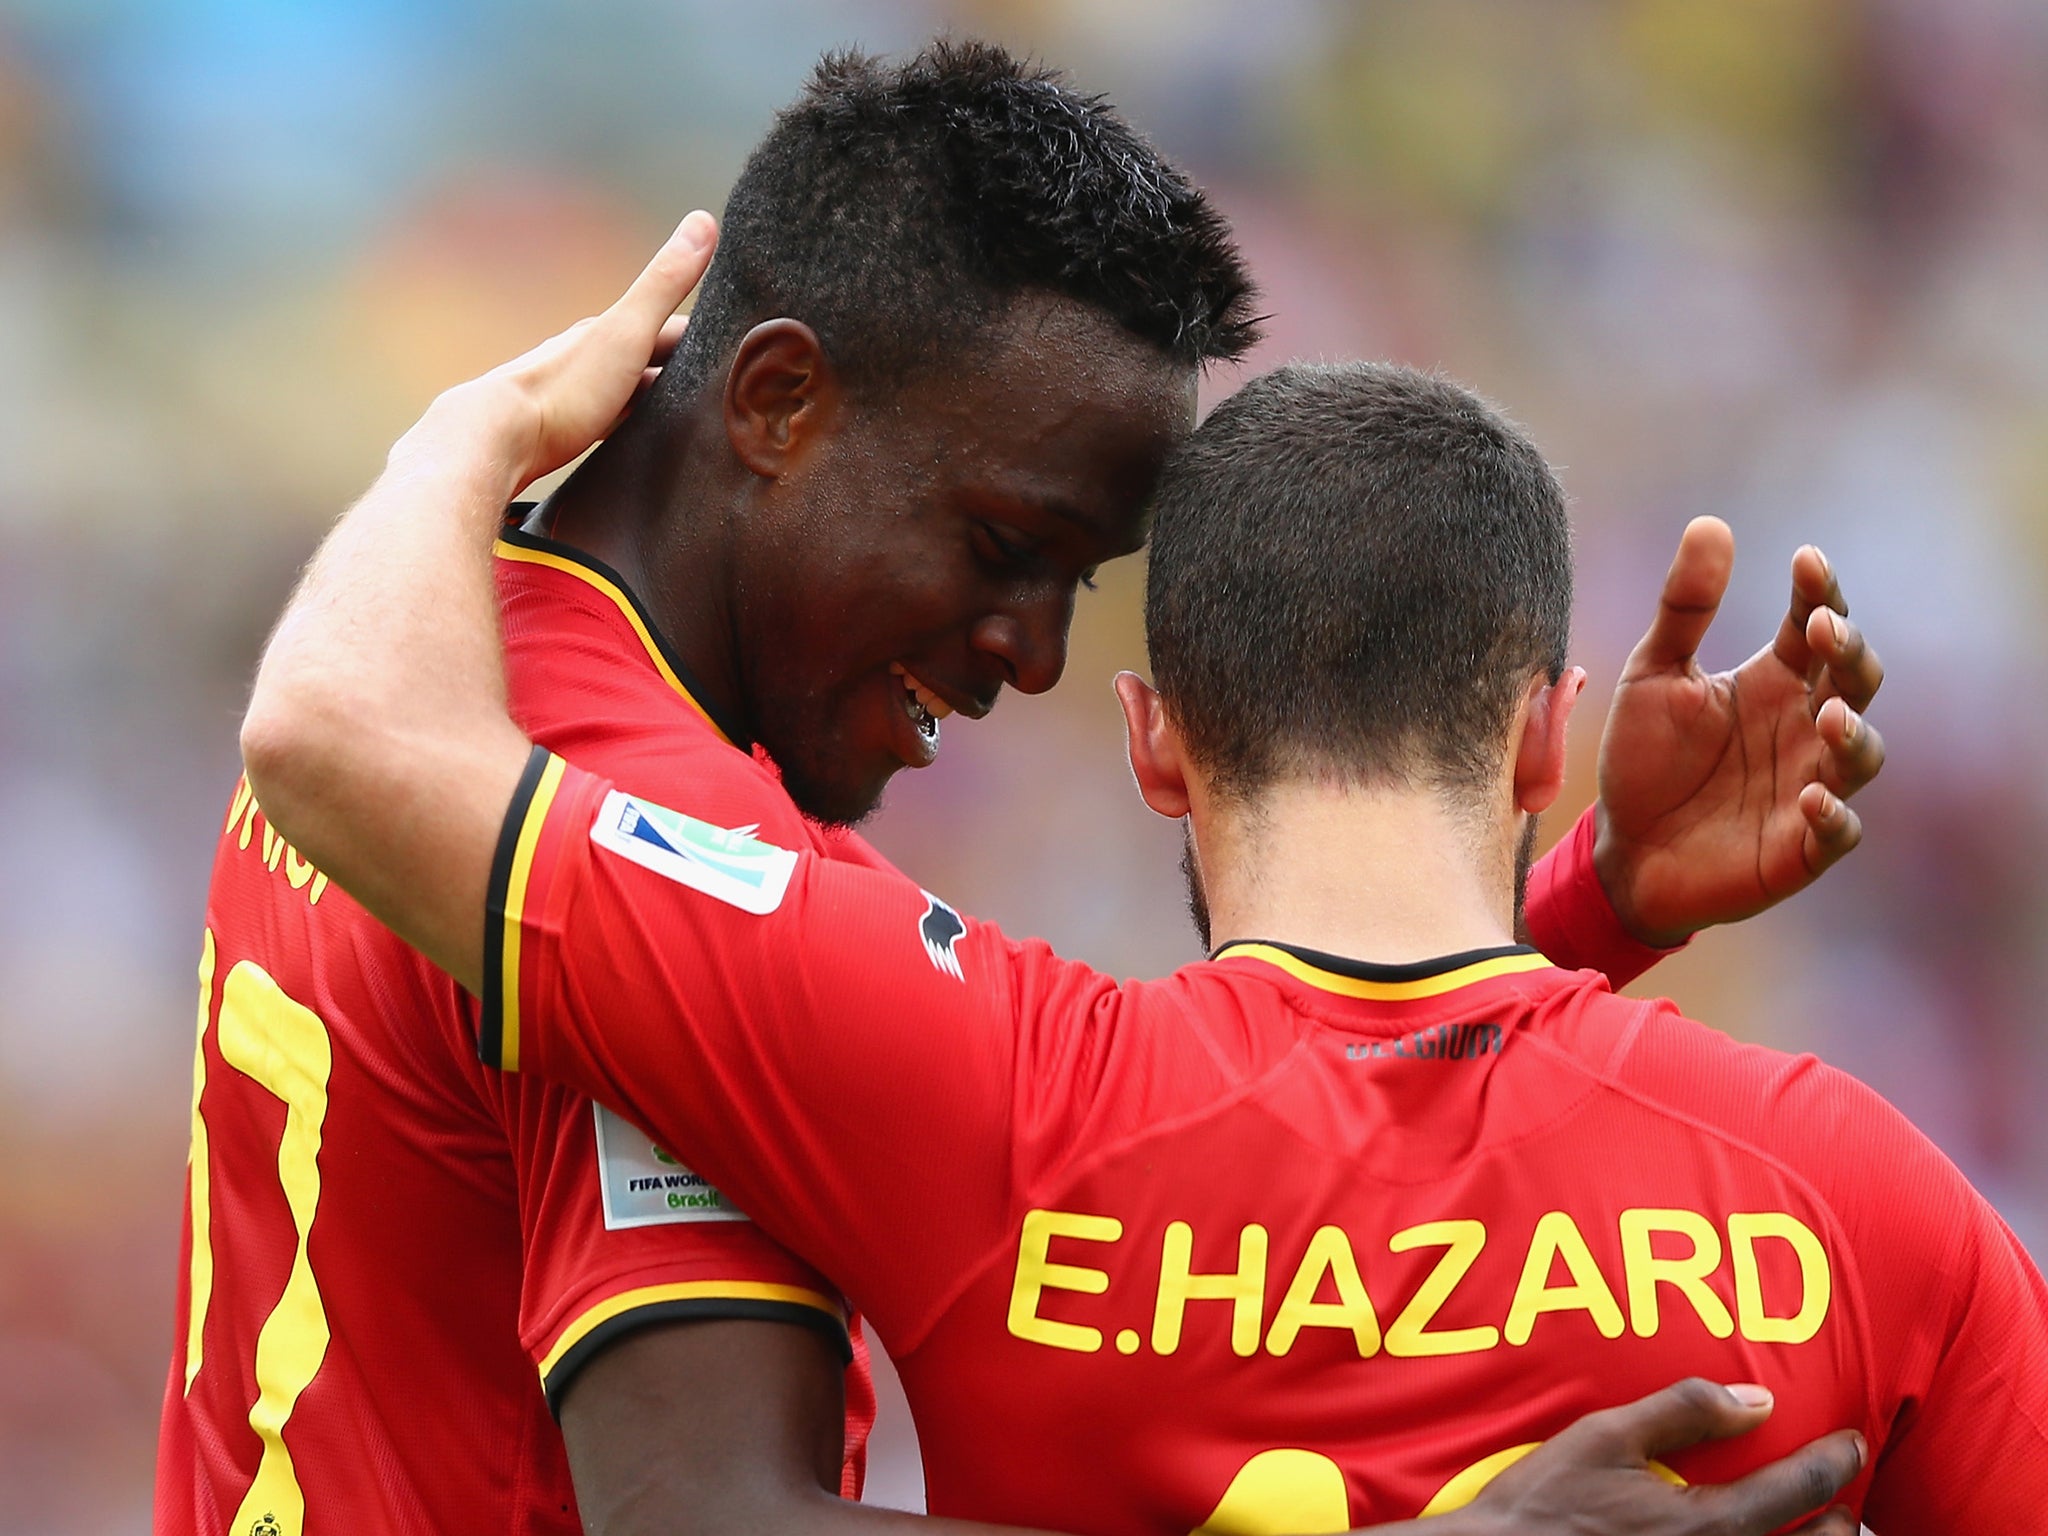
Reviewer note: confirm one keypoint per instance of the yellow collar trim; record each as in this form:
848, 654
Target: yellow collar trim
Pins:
590, 578
1385, 991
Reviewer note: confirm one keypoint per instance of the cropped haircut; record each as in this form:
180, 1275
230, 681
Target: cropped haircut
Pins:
898, 209
1356, 569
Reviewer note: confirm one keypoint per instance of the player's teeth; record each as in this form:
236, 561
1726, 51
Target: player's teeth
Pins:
919, 704
937, 707
930, 702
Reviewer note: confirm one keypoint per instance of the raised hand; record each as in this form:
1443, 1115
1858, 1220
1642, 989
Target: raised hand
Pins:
1723, 793
551, 403
388, 657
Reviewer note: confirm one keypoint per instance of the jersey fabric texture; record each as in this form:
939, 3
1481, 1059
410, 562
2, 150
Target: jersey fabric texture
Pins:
1283, 1241
394, 1258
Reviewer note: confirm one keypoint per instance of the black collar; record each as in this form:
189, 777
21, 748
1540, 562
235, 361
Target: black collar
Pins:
1366, 970
517, 533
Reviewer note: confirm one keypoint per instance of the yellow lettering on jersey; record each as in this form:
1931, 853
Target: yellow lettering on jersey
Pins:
1244, 1288
1037, 1274
283, 1046
1558, 1236
1282, 1493
275, 850
1645, 1271
1468, 1484
246, 799
199, 1191
243, 795
1329, 1253
1816, 1285
1408, 1334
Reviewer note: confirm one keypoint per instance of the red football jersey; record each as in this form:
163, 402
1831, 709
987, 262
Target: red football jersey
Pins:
383, 1239
1284, 1241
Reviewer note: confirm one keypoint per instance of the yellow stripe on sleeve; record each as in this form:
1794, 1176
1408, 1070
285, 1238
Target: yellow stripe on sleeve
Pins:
515, 909
691, 1290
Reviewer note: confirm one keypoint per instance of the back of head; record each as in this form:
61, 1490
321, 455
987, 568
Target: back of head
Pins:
1356, 569
897, 209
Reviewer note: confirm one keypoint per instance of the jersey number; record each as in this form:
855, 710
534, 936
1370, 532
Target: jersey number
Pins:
1301, 1493
282, 1046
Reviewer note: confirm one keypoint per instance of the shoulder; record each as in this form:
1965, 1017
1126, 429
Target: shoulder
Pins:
1178, 1039
849, 847
286, 951
1879, 1174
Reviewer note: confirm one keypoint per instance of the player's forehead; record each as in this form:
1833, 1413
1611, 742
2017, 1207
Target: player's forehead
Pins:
1061, 410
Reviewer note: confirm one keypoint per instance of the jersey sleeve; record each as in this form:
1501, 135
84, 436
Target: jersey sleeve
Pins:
619, 1235
1961, 1313
1570, 918
1952, 1314
831, 1046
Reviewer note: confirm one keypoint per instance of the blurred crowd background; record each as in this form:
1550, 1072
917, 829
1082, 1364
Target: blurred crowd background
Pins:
1781, 260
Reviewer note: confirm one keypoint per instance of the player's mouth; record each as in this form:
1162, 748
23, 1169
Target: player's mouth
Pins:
924, 709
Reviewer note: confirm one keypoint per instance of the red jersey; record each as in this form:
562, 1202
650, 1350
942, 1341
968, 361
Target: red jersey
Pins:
393, 1258
1284, 1241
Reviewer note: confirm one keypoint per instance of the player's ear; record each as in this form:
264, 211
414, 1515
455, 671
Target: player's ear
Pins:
1156, 760
780, 392
1540, 745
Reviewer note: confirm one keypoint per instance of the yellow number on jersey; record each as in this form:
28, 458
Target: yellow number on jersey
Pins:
1301, 1493
283, 1047
1282, 1493
1465, 1487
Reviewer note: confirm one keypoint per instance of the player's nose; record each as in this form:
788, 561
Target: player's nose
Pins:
1028, 641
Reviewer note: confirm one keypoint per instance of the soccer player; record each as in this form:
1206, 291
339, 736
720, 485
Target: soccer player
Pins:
443, 746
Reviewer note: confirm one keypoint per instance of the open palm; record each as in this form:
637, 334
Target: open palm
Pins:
1723, 793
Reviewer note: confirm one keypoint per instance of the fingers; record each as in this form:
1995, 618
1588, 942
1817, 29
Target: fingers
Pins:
1836, 1522
1693, 589
667, 339
646, 307
1683, 1414
1832, 828
1854, 671
1802, 1482
1852, 751
1814, 590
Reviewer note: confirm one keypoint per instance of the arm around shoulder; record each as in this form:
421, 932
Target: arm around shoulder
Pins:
378, 739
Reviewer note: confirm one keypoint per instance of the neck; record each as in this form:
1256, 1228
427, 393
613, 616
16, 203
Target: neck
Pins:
650, 503
1383, 874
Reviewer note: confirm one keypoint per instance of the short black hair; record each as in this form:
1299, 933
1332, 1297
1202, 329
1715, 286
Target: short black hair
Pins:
898, 208
1355, 571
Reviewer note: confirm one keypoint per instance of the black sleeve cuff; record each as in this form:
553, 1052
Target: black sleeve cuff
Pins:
555, 1381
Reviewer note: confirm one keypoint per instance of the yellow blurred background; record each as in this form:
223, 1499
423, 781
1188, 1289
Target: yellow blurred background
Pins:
1781, 260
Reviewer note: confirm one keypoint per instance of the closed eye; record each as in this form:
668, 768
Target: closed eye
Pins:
999, 549
1008, 552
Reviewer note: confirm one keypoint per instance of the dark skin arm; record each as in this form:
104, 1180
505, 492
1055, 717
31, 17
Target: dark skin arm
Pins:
734, 1429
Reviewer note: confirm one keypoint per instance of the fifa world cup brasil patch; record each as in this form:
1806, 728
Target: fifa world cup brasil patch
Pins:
728, 863
644, 1187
